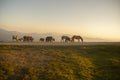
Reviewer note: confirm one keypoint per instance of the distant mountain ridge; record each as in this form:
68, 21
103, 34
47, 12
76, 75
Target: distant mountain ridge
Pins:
7, 36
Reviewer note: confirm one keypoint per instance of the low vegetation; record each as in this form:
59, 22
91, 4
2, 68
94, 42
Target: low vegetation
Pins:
59, 62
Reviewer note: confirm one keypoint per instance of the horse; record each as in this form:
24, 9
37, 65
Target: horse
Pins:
28, 39
66, 38
78, 38
31, 39
20, 39
53, 39
15, 38
41, 39
49, 39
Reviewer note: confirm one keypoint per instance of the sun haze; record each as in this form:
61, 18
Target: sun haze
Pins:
89, 18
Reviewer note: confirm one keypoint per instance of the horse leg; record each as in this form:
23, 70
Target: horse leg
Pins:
65, 40
72, 40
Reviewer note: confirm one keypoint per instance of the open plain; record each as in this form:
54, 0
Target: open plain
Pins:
59, 43
59, 61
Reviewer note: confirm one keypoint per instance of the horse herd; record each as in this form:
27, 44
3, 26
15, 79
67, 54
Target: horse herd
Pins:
47, 39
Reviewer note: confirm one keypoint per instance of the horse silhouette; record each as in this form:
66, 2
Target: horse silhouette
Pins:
15, 37
78, 38
66, 38
49, 39
41, 39
28, 39
20, 39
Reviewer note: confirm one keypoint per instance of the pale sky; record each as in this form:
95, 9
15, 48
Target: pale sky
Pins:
90, 18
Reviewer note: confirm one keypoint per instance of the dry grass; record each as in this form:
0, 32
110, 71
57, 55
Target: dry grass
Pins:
59, 62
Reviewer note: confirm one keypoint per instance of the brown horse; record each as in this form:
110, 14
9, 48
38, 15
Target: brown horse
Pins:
65, 38
49, 39
15, 37
28, 39
78, 38
41, 39
20, 39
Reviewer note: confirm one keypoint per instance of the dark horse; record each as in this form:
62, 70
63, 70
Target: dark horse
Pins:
28, 39
15, 37
78, 38
65, 38
49, 39
41, 39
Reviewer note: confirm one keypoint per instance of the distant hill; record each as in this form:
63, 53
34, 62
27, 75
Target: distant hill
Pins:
7, 36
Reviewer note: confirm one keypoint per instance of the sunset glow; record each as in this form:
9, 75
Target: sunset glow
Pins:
88, 18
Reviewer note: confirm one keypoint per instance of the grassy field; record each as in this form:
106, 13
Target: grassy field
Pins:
60, 62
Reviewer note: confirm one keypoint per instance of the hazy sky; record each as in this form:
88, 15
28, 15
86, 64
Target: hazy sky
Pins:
90, 18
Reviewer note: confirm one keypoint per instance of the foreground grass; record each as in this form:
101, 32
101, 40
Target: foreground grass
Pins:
60, 62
